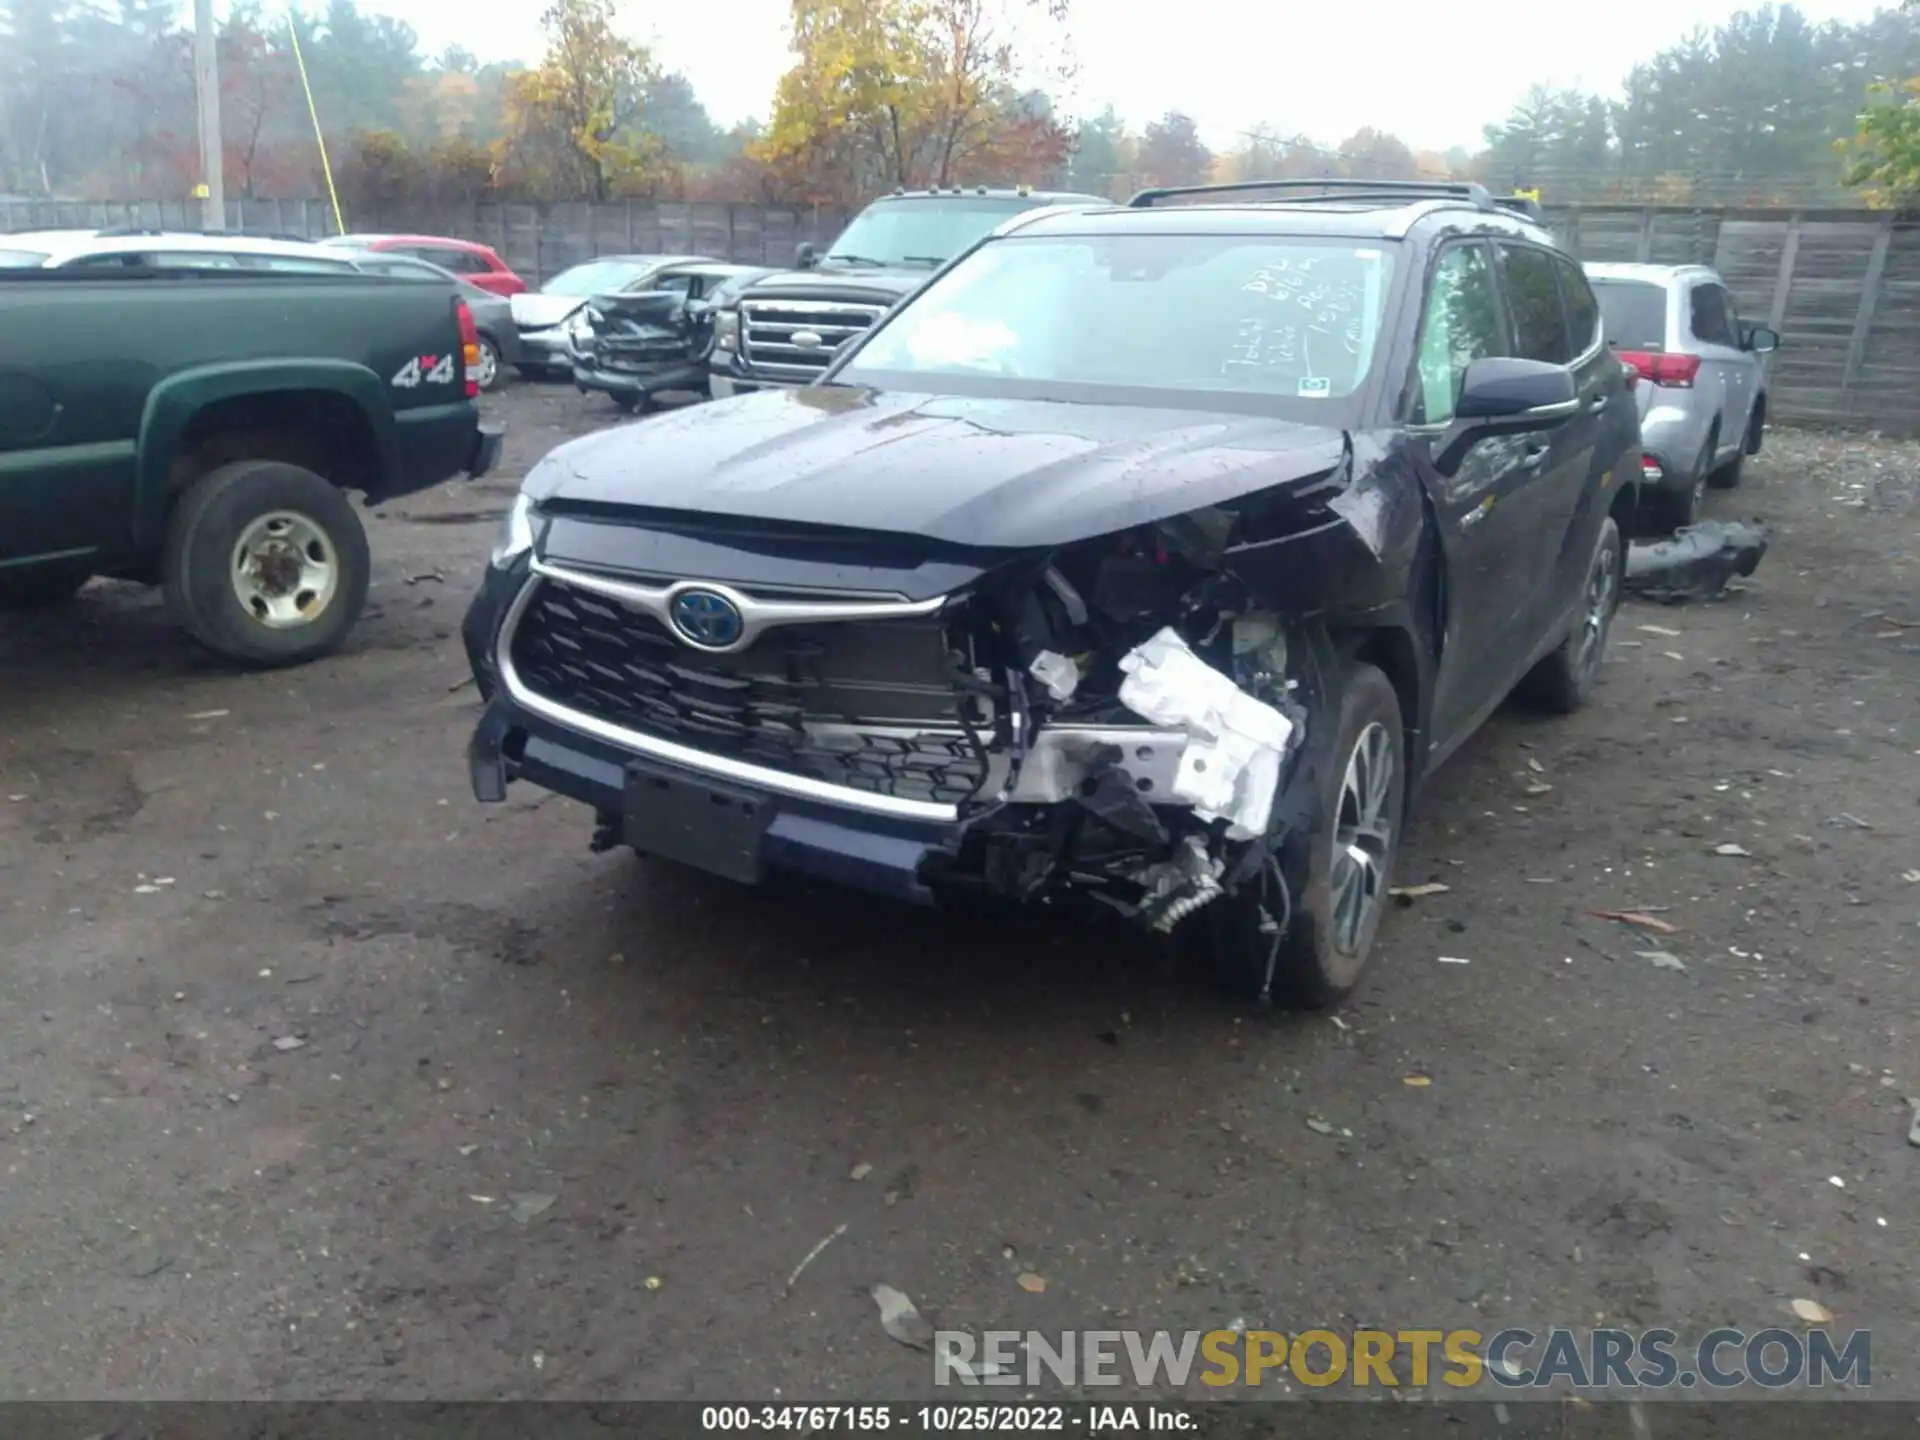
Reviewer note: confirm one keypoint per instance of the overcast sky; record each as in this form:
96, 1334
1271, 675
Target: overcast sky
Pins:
1434, 74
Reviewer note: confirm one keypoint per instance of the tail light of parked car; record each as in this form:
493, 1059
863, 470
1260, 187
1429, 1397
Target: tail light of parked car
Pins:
1677, 371
469, 346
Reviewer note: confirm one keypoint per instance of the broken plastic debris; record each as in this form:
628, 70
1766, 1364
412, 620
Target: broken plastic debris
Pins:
1057, 672
1662, 959
1836, 1182
1731, 849
526, 1207
288, 1042
900, 1320
860, 1171
1454, 960
1696, 563
1230, 768
1813, 1312
1326, 1127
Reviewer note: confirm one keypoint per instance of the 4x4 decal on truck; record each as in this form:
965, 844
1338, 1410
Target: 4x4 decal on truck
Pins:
433, 369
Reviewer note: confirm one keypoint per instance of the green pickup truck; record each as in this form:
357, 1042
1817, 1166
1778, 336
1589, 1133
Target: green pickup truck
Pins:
199, 428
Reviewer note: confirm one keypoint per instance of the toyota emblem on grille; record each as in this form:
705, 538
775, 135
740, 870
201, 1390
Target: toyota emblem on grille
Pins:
706, 618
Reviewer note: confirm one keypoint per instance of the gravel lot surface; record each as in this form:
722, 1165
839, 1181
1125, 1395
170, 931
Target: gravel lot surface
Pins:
563, 1124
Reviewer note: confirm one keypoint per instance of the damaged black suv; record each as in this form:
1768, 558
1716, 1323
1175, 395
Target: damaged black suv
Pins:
1150, 554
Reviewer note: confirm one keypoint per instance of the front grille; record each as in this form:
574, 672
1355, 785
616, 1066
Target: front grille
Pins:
868, 705
767, 328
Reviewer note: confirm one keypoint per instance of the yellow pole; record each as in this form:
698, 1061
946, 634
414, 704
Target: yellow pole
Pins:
326, 167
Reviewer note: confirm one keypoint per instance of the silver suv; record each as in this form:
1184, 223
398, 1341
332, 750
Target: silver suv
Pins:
1702, 388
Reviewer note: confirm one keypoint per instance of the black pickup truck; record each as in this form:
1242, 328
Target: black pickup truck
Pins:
198, 426
783, 329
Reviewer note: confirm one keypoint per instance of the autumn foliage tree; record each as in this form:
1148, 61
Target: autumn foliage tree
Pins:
573, 121
914, 93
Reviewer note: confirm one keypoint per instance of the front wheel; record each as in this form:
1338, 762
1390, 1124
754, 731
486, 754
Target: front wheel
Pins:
265, 563
1332, 872
1564, 680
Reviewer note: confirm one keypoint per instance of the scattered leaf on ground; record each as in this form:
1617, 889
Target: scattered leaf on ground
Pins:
1638, 919
860, 1171
1657, 630
1731, 849
288, 1042
1032, 1283
209, 714
1535, 766
1662, 959
1327, 1127
468, 1149
654, 1282
1419, 1082
481, 1199
1836, 1182
1418, 892
1538, 787
1454, 960
900, 1320
1912, 877
1812, 1311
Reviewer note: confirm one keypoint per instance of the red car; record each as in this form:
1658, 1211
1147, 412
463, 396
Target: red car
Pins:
477, 264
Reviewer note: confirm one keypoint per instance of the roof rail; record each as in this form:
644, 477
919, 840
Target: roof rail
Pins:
1522, 205
126, 232
1403, 191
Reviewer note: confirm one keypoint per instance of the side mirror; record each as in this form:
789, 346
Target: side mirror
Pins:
803, 256
1763, 341
1506, 397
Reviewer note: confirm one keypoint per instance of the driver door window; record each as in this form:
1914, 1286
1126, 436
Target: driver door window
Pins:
1463, 323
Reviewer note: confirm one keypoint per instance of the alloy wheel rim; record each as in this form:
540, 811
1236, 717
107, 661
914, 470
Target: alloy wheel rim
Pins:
1363, 836
1597, 615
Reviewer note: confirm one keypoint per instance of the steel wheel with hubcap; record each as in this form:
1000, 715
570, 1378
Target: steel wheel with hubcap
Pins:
283, 570
265, 563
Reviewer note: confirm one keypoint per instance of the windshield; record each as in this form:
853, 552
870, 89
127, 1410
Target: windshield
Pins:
922, 233
1265, 317
21, 259
596, 277
1633, 313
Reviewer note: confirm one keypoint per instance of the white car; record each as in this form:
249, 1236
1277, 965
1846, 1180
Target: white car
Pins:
165, 250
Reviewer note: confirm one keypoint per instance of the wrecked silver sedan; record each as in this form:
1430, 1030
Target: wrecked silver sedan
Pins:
1149, 556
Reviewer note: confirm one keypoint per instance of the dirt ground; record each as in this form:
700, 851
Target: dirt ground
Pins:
563, 1124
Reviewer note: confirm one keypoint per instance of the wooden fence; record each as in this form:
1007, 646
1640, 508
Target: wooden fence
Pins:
1840, 286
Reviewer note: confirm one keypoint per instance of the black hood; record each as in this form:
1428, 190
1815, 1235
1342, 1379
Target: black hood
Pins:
978, 473
854, 282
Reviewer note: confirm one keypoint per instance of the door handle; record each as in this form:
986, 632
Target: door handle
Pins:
1596, 405
1536, 456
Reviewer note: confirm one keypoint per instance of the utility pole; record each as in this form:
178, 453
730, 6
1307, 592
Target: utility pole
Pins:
206, 80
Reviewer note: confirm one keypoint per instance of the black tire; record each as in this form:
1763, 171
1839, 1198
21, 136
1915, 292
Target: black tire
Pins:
1319, 958
1675, 509
199, 564
1564, 680
1757, 426
630, 404
537, 372
40, 587
1728, 475
491, 366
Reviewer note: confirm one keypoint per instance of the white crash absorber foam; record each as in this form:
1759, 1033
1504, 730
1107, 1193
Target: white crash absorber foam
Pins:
1230, 768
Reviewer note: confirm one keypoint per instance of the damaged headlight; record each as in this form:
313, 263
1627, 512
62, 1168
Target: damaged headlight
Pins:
516, 532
